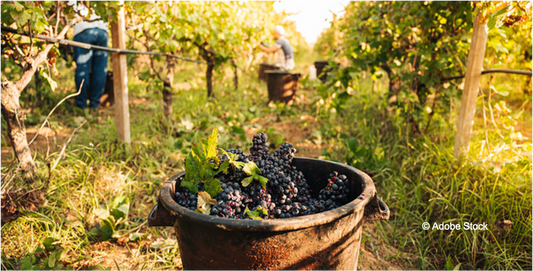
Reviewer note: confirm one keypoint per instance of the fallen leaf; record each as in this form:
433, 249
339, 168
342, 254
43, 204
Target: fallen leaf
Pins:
204, 202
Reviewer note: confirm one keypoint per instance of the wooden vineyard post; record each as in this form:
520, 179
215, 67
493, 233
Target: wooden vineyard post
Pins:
474, 67
120, 77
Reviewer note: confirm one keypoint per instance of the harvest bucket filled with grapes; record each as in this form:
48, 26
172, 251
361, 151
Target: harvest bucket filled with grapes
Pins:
266, 210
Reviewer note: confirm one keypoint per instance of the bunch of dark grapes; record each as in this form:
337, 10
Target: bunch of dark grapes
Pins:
242, 157
186, 199
286, 194
336, 191
259, 149
230, 201
258, 196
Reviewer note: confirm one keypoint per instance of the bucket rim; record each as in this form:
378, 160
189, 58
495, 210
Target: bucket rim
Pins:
269, 65
278, 72
269, 225
281, 72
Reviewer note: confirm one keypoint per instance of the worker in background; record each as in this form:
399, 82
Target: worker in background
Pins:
283, 44
91, 65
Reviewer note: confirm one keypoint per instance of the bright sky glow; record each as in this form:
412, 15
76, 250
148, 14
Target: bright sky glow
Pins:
312, 16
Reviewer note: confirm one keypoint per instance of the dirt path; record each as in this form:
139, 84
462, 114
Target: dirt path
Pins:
47, 141
300, 138
376, 254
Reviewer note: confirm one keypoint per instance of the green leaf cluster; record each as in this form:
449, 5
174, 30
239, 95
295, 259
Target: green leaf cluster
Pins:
251, 169
258, 214
45, 257
202, 165
415, 44
113, 218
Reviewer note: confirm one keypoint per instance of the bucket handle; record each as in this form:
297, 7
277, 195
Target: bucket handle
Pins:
160, 216
376, 209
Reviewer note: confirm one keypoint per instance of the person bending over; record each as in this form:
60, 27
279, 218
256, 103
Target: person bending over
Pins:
91, 65
283, 44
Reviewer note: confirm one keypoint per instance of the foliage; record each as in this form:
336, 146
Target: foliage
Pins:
368, 157
44, 18
329, 40
251, 169
45, 257
113, 218
204, 202
216, 31
418, 45
28, 15
256, 214
507, 12
421, 182
202, 164
232, 159
415, 43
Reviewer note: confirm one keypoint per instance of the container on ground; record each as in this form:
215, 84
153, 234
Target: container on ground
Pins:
322, 70
264, 67
282, 85
327, 240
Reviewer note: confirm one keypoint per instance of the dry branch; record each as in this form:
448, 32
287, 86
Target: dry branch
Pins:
65, 145
53, 109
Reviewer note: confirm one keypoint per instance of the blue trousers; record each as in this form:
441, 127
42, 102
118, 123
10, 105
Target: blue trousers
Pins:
90, 60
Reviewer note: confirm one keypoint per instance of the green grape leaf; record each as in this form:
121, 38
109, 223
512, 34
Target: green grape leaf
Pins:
256, 214
496, 19
262, 180
247, 181
213, 187
191, 169
231, 161
212, 142
224, 167
190, 186
18, 6
231, 156
251, 168
255, 174
20, 17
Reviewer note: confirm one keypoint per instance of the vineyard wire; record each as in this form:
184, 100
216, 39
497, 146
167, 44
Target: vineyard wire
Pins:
95, 47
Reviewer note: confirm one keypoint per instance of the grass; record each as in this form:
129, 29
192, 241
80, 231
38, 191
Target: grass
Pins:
416, 176
422, 182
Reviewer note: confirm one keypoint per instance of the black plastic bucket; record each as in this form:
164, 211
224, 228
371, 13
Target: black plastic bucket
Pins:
282, 85
321, 70
327, 240
264, 67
